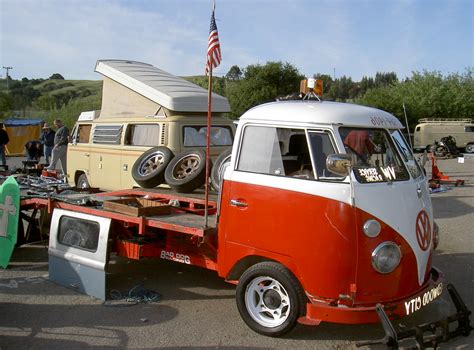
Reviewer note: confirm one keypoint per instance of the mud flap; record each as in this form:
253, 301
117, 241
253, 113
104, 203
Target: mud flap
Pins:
427, 335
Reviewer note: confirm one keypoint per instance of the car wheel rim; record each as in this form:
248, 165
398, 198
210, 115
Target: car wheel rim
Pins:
186, 166
267, 301
151, 163
470, 148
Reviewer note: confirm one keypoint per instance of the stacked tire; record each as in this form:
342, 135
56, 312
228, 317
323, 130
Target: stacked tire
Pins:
149, 169
184, 172
217, 173
187, 171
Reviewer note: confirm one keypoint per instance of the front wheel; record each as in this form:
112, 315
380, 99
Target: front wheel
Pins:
270, 299
82, 182
470, 148
440, 151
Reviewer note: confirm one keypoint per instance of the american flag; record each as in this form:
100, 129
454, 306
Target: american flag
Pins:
213, 47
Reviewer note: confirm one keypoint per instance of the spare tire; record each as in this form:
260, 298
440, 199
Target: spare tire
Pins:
149, 169
222, 162
187, 171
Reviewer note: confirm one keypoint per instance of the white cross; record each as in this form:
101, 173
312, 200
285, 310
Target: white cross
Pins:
5, 209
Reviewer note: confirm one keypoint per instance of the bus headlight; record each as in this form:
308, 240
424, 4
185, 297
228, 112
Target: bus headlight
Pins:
372, 228
435, 235
386, 257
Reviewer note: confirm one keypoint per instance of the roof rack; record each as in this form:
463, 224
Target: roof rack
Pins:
445, 120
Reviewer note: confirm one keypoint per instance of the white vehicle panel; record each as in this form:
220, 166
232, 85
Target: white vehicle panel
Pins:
399, 207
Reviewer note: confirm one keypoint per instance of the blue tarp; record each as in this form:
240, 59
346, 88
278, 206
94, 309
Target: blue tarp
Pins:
22, 122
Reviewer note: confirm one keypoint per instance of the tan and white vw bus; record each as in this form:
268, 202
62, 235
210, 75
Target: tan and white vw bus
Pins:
142, 107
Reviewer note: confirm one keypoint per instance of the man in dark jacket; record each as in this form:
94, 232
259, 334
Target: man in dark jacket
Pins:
3, 142
47, 139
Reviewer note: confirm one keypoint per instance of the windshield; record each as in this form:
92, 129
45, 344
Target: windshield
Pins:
375, 155
412, 165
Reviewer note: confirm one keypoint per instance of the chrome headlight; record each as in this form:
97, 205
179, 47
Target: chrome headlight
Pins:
372, 228
435, 235
386, 257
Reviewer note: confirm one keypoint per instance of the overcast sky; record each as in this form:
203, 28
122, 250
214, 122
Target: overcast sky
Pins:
345, 37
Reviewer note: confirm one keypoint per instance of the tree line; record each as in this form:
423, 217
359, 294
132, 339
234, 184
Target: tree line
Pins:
424, 94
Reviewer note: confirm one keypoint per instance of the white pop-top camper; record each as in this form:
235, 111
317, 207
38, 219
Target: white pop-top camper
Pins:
135, 88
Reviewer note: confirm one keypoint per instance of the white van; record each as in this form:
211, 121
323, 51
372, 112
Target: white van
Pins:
142, 107
430, 130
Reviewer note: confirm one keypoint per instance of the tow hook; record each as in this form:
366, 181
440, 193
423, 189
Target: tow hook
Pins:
436, 332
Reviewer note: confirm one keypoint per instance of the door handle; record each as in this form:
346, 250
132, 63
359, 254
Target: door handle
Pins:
86, 154
418, 191
237, 203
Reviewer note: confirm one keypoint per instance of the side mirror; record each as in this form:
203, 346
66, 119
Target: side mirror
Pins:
340, 163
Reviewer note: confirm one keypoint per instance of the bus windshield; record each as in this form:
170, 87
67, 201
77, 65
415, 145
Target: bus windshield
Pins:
376, 157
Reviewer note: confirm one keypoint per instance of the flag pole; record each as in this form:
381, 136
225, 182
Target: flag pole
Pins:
208, 142
213, 60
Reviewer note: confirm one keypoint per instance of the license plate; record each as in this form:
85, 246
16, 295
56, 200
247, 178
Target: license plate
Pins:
420, 301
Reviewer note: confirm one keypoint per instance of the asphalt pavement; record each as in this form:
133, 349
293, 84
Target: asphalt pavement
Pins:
197, 309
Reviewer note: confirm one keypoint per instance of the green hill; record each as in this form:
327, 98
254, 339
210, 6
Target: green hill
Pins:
49, 98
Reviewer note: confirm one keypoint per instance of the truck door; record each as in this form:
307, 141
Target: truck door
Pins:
78, 252
280, 202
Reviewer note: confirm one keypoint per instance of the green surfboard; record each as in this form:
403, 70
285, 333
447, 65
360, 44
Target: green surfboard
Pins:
9, 218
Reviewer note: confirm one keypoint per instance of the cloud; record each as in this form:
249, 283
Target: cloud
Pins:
44, 37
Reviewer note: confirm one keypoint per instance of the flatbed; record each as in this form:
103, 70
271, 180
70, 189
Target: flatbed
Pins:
184, 225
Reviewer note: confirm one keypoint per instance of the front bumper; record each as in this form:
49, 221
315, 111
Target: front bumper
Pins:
318, 312
427, 335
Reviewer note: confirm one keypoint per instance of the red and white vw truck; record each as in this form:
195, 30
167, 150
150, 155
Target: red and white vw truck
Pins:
325, 214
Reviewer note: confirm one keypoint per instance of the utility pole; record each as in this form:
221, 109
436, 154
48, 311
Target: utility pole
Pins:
8, 76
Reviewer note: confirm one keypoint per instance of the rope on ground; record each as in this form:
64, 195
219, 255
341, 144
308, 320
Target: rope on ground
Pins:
134, 296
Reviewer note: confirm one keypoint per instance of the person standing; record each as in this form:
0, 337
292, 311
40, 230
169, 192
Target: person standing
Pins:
47, 139
3, 142
59, 153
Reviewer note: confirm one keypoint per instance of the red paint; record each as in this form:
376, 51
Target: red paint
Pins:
321, 241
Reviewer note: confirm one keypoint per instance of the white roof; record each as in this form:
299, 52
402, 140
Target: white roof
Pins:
322, 113
88, 115
167, 90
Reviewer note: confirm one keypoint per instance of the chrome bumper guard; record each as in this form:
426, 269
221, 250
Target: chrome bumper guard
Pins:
427, 335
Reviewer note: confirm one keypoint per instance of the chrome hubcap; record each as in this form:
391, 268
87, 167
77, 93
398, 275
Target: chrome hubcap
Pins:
151, 163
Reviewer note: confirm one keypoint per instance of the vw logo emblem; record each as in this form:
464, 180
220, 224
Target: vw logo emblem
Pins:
423, 230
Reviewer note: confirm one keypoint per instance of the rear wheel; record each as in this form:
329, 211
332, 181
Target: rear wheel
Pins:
82, 182
470, 148
270, 299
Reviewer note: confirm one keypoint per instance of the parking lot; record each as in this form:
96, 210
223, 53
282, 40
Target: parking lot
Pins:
197, 309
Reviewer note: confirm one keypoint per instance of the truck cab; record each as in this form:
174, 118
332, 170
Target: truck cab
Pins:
324, 213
